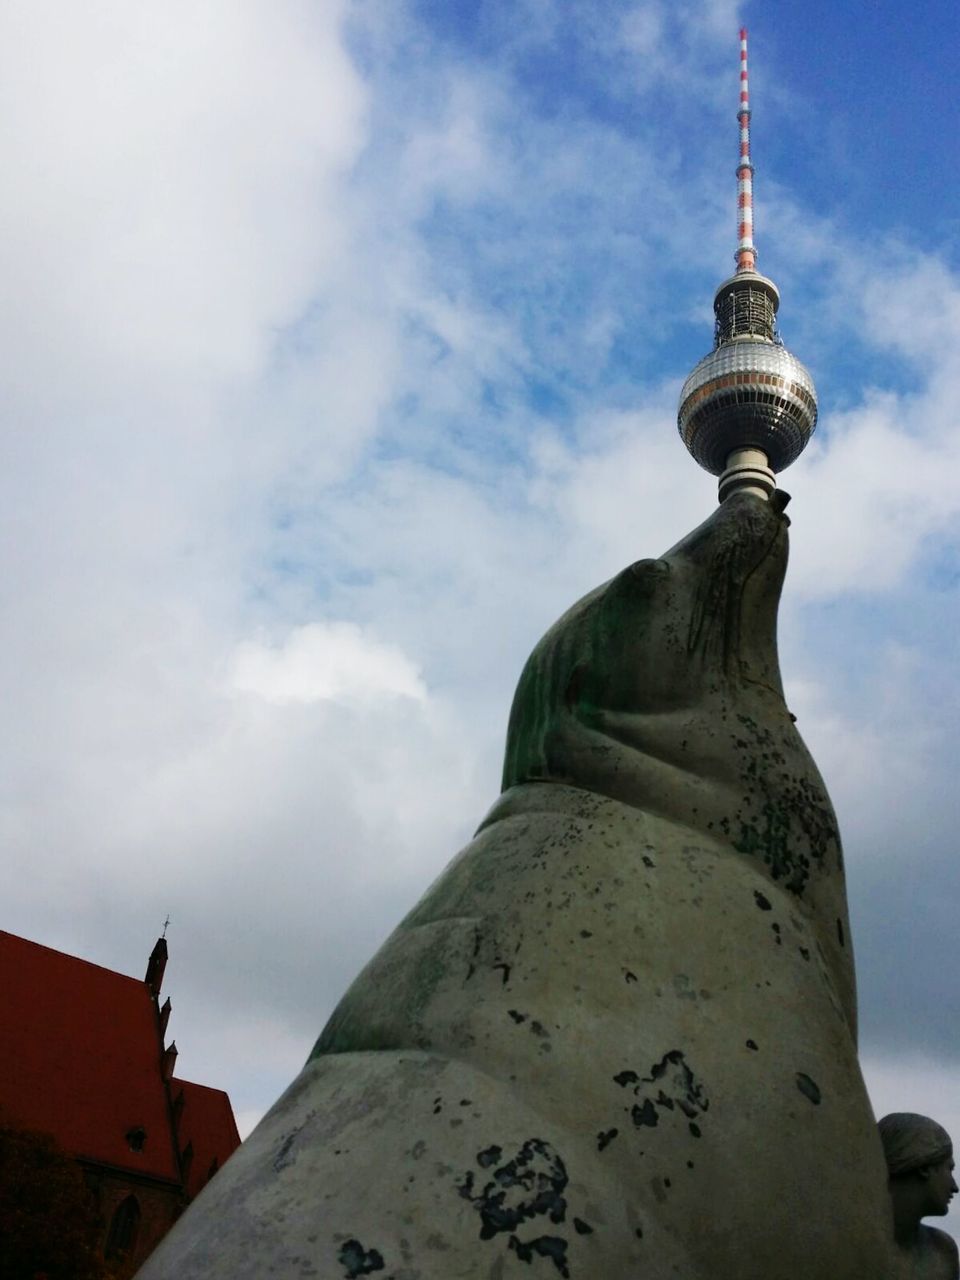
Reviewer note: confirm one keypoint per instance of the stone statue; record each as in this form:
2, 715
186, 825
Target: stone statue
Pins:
919, 1157
616, 1038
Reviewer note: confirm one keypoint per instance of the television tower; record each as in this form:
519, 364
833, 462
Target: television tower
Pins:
748, 408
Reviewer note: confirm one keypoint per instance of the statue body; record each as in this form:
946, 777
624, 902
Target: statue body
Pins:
616, 1038
932, 1255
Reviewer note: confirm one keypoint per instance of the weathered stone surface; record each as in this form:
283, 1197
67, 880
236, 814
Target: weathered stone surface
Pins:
616, 1038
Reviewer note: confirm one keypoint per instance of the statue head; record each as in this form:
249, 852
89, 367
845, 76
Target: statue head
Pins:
919, 1155
663, 641
661, 689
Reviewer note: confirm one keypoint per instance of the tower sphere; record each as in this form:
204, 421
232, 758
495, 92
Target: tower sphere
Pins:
749, 408
750, 392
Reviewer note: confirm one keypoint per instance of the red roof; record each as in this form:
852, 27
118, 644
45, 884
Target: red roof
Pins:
81, 1050
207, 1123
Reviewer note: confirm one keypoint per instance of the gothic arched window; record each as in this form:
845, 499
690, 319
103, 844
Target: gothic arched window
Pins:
123, 1228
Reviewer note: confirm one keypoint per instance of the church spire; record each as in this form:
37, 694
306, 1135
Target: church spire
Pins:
748, 408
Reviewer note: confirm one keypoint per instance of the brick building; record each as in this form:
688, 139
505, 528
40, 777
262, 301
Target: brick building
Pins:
84, 1058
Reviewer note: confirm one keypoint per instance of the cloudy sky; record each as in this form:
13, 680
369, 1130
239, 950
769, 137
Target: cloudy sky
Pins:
342, 342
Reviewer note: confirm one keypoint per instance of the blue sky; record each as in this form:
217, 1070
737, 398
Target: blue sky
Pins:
343, 347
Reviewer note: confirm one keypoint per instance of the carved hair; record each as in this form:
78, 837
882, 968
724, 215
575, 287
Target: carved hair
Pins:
912, 1142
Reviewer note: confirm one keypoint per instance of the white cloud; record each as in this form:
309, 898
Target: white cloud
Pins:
879, 490
174, 171
325, 661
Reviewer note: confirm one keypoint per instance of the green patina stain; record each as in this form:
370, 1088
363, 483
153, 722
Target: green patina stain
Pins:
574, 666
771, 841
357, 1024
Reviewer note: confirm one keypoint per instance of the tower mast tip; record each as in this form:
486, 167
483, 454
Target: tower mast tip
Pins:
746, 255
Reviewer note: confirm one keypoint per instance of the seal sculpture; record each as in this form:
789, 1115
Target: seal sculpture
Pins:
616, 1038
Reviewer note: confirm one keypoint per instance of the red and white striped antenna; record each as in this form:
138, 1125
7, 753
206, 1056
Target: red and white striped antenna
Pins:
746, 253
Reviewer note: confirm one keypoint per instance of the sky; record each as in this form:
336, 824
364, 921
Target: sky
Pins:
342, 350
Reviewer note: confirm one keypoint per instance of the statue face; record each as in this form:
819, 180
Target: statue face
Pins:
941, 1186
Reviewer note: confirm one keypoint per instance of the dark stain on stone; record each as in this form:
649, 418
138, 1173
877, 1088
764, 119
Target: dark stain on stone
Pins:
791, 826
531, 1185
645, 1115
465, 1102
282, 1159
639, 1233
437, 1106
629, 975
605, 1138
539, 1029
517, 1017
678, 1089
582, 1228
648, 862
840, 937
691, 1094
667, 1182
804, 952
357, 1261
505, 969
809, 1088
489, 1156
694, 1129
585, 933
552, 1247
752, 1044
762, 902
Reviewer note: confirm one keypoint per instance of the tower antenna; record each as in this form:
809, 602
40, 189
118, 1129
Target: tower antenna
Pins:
749, 407
746, 252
